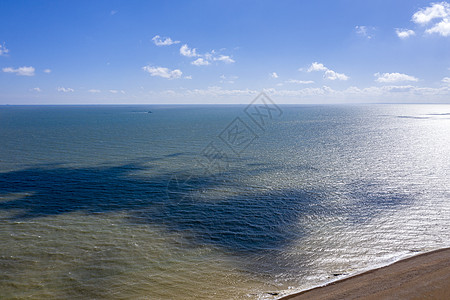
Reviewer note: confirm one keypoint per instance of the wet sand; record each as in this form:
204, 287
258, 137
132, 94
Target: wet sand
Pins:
425, 276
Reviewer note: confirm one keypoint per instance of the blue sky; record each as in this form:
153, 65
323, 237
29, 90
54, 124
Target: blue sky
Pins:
145, 52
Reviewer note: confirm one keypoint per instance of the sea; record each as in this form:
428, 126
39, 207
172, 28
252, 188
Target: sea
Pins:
250, 201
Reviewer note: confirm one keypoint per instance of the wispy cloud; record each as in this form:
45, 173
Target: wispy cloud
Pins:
3, 50
36, 89
274, 75
224, 58
163, 72
436, 11
446, 80
200, 62
113, 12
165, 41
65, 90
328, 73
94, 91
404, 33
393, 77
22, 71
204, 59
372, 92
217, 91
117, 92
388, 93
365, 31
186, 51
299, 81
228, 79
47, 71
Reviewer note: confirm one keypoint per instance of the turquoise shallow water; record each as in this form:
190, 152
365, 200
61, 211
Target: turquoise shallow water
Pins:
115, 202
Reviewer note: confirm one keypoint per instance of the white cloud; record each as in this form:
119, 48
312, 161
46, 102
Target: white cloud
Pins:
188, 77
442, 28
439, 11
404, 33
435, 11
47, 71
3, 50
274, 75
332, 75
372, 93
36, 89
299, 81
324, 94
113, 12
166, 41
94, 91
446, 80
394, 77
65, 90
116, 91
315, 66
22, 71
186, 51
224, 58
163, 72
410, 90
218, 91
204, 59
365, 31
200, 62
329, 74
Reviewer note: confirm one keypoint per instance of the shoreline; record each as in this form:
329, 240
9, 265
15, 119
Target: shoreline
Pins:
425, 275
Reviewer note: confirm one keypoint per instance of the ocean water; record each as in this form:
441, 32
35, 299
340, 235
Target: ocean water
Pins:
198, 202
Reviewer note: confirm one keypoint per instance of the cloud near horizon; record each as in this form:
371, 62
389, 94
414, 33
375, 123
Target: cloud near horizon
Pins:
352, 93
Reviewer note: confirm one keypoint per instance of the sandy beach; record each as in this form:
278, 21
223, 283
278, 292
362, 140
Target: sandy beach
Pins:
425, 276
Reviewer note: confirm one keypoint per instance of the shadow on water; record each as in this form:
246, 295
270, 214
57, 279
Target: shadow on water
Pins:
246, 222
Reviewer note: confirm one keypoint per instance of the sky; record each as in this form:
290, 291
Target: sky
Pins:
216, 52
